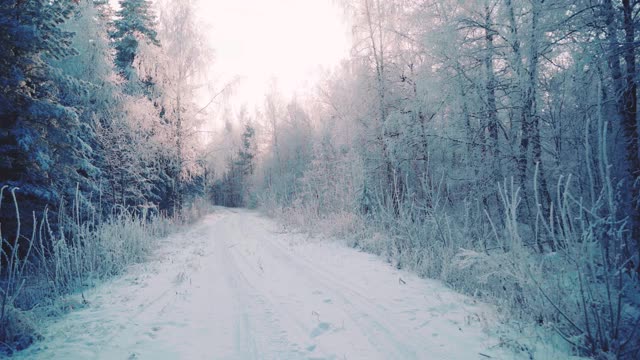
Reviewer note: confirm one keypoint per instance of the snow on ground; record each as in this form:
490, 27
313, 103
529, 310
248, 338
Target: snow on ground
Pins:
235, 287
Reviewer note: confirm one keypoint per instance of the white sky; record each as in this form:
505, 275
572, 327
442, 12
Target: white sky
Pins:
283, 40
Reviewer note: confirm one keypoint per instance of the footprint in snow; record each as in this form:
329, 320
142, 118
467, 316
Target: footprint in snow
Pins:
322, 328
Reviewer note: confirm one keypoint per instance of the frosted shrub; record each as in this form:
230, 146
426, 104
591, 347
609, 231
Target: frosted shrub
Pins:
341, 224
196, 210
584, 291
14, 330
269, 204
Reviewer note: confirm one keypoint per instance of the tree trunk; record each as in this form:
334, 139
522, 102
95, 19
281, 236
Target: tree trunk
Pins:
522, 160
179, 141
626, 94
495, 175
492, 112
378, 56
534, 120
629, 121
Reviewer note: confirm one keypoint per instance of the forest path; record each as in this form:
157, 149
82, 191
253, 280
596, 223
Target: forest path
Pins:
235, 287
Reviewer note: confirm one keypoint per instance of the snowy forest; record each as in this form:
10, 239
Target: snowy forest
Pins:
489, 144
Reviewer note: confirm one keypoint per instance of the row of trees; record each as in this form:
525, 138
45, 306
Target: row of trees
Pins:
98, 133
98, 105
234, 187
492, 139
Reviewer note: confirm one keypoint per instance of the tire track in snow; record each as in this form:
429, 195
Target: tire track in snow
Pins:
253, 311
380, 333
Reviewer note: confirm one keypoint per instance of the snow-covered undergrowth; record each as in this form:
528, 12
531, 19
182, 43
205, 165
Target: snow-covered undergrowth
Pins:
579, 289
40, 271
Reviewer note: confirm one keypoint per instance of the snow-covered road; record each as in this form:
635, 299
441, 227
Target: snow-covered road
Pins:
235, 287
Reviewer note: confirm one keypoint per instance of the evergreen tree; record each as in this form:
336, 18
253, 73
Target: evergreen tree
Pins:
93, 67
246, 153
137, 59
233, 189
135, 22
41, 150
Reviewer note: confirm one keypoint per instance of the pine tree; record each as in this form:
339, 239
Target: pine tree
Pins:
41, 150
233, 188
93, 66
136, 42
135, 22
246, 154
